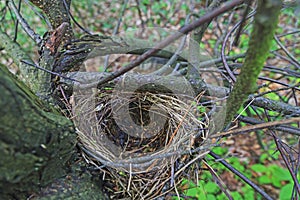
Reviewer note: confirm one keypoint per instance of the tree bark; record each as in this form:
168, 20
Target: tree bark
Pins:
36, 145
265, 23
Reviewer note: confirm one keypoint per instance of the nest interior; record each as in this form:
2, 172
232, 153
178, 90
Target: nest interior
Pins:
142, 140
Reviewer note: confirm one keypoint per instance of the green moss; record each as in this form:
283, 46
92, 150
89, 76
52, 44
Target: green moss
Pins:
265, 23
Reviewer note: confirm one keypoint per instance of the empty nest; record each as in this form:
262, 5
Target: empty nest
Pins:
141, 154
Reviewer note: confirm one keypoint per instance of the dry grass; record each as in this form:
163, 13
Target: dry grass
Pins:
145, 153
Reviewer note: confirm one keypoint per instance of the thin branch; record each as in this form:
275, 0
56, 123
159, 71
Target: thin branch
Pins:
288, 33
42, 17
281, 107
239, 174
17, 23
278, 82
218, 180
256, 127
244, 18
140, 14
35, 37
287, 52
294, 177
229, 71
48, 71
170, 39
285, 58
284, 128
116, 30
198, 33
223, 33
174, 57
73, 19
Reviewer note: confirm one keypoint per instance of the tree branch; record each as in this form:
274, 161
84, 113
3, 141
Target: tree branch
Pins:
184, 30
265, 23
35, 145
35, 37
257, 127
92, 79
27, 74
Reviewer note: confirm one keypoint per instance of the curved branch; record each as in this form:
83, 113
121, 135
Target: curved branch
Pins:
92, 79
184, 30
277, 106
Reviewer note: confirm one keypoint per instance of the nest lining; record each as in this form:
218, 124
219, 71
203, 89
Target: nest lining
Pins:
147, 159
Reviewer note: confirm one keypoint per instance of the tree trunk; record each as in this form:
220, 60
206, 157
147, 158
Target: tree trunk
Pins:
37, 146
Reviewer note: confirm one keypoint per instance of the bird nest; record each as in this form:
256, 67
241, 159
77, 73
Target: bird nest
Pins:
142, 141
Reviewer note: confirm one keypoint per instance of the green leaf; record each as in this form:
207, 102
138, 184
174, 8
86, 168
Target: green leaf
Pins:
236, 195
286, 192
222, 196
236, 163
259, 168
220, 150
263, 157
275, 181
195, 191
192, 192
146, 2
211, 197
211, 187
280, 173
248, 193
264, 179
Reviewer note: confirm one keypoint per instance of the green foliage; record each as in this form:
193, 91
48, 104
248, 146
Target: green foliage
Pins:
201, 109
259, 168
285, 192
212, 188
276, 176
236, 195
270, 154
272, 96
244, 39
8, 25
272, 174
259, 173
248, 192
220, 150
205, 190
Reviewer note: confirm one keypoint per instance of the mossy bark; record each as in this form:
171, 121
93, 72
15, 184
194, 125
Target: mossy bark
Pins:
35, 144
15, 51
37, 147
56, 12
265, 23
